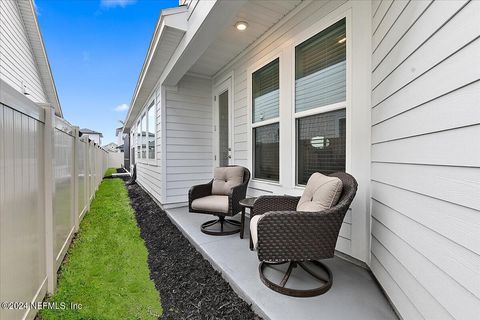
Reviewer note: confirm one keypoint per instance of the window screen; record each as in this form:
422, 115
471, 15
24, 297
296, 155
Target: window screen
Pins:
266, 152
320, 144
265, 93
320, 69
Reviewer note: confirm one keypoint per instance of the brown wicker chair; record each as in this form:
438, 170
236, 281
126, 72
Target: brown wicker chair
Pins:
300, 238
226, 226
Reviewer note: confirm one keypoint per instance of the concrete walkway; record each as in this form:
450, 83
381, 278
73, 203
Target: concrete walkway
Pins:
354, 294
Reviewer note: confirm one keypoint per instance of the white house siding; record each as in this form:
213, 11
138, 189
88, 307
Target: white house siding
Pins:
17, 63
188, 141
356, 222
426, 156
149, 172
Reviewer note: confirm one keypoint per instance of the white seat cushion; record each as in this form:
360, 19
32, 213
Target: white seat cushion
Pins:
225, 178
253, 229
322, 192
213, 203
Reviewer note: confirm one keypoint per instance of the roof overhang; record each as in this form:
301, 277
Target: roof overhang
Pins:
170, 29
34, 35
203, 31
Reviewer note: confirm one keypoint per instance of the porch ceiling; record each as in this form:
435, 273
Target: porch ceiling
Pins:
260, 16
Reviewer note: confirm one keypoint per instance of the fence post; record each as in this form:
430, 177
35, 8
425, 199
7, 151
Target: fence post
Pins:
87, 173
49, 193
76, 215
93, 179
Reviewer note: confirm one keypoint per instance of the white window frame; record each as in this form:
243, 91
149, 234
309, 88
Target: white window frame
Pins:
278, 54
358, 113
154, 107
299, 39
139, 139
144, 112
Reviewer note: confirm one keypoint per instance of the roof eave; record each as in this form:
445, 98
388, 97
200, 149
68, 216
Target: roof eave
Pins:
29, 17
172, 23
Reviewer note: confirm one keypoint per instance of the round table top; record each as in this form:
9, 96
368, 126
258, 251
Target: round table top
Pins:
248, 202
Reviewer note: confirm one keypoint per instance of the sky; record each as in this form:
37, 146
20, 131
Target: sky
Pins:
96, 49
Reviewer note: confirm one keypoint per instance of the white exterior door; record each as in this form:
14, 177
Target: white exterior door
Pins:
223, 152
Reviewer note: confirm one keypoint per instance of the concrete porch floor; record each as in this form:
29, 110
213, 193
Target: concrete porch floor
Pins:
354, 294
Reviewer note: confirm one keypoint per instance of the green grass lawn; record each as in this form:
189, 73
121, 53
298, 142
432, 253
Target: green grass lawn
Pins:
110, 171
106, 267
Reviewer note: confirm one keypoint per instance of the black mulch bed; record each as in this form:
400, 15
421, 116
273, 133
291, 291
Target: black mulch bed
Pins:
189, 286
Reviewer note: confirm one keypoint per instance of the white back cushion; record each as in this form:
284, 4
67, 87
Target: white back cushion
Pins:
322, 192
225, 178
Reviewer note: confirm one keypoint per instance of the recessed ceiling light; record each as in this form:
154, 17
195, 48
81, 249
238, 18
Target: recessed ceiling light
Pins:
342, 40
241, 25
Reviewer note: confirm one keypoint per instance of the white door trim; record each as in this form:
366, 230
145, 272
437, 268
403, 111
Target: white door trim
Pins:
220, 87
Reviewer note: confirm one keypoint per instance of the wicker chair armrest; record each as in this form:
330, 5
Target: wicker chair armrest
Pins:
299, 236
238, 193
275, 203
199, 191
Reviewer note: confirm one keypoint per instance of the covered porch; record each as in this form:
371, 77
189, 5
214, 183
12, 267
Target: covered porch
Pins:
354, 294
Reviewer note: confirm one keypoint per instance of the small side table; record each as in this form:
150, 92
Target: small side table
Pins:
246, 203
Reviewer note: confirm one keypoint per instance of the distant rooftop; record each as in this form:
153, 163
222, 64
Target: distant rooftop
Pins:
89, 131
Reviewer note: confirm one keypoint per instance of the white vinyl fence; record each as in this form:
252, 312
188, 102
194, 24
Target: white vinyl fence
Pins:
115, 159
48, 177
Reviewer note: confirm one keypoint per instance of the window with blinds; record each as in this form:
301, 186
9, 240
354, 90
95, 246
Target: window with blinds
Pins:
265, 92
320, 80
265, 121
320, 69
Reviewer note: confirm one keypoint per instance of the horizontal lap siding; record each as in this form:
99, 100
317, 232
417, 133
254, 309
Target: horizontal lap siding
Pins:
189, 131
17, 63
149, 176
22, 214
426, 157
295, 25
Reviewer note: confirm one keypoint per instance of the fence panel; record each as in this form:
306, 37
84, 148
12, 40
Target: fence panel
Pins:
82, 181
63, 209
115, 159
36, 224
22, 214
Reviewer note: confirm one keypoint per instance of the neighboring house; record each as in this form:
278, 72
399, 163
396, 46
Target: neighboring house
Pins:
111, 147
93, 135
123, 141
120, 136
24, 65
387, 90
